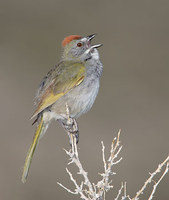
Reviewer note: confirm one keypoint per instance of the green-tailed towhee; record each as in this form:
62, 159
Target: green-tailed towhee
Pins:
73, 82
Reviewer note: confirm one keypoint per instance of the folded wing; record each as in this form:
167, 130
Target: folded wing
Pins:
62, 79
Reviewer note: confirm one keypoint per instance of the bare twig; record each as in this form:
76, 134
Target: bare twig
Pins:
156, 184
104, 184
150, 179
91, 191
119, 192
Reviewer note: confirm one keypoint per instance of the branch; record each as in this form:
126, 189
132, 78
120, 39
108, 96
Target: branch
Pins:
156, 183
91, 191
150, 179
88, 190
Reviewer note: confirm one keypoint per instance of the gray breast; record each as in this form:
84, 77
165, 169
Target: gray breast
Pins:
81, 98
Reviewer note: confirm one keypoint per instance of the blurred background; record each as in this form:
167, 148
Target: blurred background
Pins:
133, 97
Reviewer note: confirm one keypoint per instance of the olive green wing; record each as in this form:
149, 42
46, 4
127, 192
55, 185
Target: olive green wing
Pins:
65, 77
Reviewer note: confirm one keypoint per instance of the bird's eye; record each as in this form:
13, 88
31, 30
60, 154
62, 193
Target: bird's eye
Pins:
79, 44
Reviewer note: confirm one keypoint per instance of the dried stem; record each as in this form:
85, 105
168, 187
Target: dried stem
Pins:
150, 179
88, 190
119, 192
156, 183
91, 191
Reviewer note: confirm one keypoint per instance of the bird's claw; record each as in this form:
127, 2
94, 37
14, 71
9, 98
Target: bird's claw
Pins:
72, 130
71, 127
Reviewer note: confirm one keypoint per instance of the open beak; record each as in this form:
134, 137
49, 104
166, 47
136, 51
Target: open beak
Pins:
90, 37
96, 46
93, 47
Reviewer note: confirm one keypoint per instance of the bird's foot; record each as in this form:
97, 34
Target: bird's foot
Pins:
72, 130
71, 127
72, 137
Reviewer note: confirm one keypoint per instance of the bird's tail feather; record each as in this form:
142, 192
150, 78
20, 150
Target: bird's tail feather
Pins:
39, 131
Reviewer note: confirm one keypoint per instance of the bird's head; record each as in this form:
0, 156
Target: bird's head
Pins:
79, 48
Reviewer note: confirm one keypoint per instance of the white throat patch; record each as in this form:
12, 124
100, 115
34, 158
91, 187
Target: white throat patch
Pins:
95, 54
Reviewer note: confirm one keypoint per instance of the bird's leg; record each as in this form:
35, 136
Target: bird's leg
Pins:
72, 127
74, 130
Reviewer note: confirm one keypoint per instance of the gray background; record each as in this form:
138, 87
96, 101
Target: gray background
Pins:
134, 94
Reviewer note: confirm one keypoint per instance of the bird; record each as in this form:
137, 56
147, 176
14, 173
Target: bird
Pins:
74, 82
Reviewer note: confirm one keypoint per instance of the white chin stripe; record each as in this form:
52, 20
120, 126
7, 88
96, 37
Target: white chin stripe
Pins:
94, 54
87, 51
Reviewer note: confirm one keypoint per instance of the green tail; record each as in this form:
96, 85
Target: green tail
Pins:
32, 148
